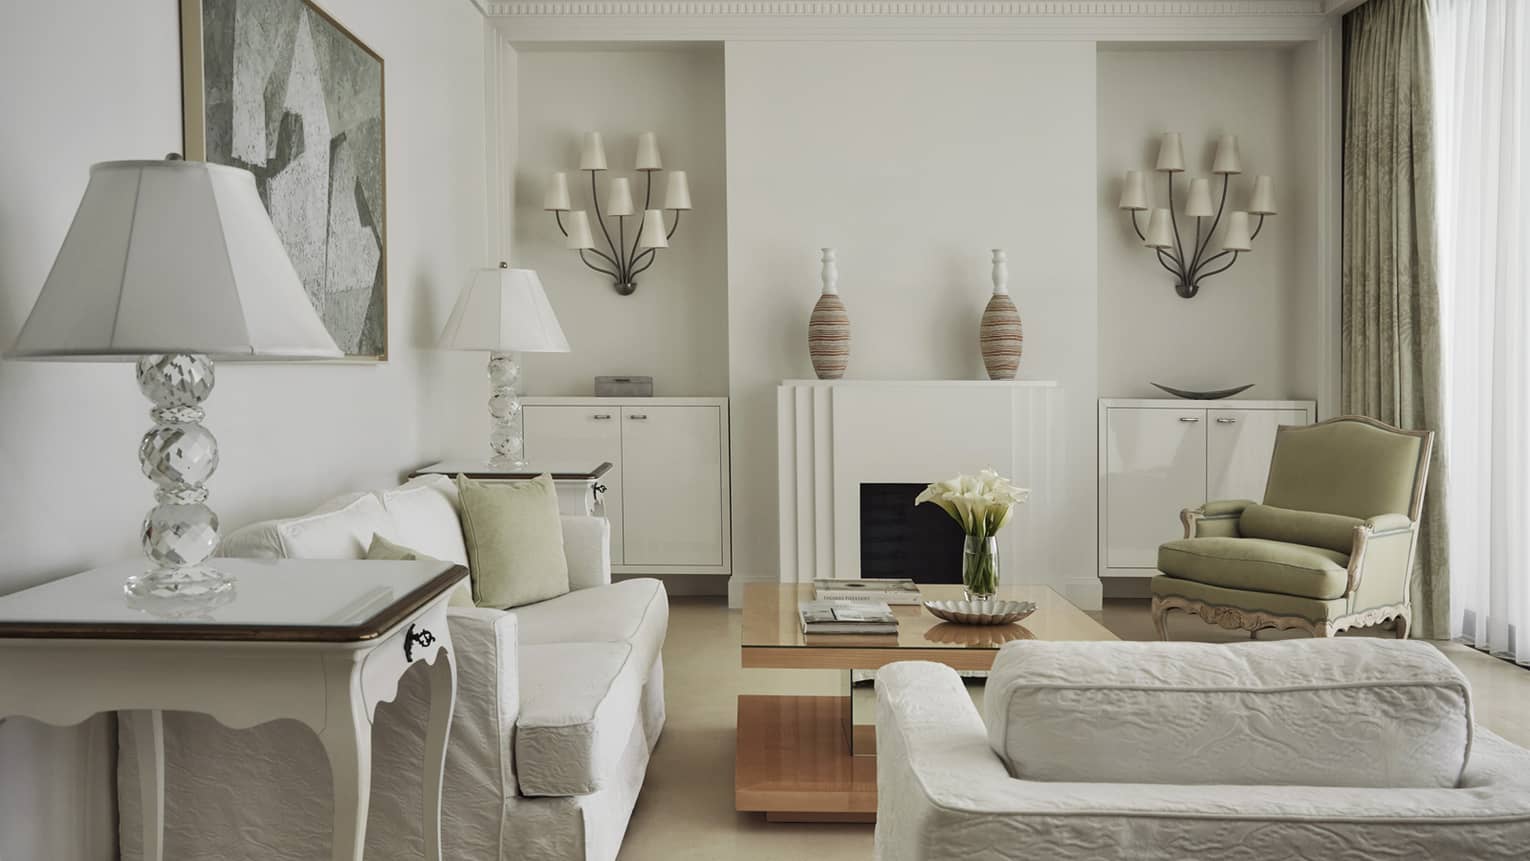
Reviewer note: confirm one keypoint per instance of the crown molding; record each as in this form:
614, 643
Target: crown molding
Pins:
744, 20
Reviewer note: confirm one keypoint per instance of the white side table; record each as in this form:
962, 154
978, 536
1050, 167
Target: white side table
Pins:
323, 642
579, 488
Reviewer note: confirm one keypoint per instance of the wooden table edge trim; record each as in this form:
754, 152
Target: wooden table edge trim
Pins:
860, 658
374, 628
480, 475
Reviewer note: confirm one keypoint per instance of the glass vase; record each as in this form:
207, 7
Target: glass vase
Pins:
980, 567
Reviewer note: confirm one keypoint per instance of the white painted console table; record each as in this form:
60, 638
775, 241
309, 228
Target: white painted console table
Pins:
323, 642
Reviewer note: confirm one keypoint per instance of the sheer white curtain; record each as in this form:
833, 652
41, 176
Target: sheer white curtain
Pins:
1482, 129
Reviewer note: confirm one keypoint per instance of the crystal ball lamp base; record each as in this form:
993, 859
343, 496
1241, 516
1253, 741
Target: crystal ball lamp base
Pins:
178, 454
506, 438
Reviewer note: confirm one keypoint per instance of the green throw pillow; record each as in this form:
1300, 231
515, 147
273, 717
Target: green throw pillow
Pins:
382, 548
514, 541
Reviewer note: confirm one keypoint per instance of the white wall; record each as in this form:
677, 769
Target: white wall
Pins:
913, 160
98, 80
1256, 322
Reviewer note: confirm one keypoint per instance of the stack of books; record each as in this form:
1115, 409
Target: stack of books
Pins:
885, 591
847, 617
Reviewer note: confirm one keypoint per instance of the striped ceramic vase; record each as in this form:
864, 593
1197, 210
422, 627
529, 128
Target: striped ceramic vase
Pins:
999, 335
829, 327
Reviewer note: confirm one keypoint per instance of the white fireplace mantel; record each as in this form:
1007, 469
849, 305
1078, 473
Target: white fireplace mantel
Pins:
834, 435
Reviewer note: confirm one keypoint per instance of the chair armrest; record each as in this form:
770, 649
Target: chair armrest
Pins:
1382, 524
1217, 519
1381, 562
587, 546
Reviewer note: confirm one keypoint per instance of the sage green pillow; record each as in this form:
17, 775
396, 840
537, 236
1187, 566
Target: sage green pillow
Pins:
514, 541
382, 548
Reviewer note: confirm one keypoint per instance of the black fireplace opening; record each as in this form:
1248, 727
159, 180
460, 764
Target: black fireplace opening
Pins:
902, 540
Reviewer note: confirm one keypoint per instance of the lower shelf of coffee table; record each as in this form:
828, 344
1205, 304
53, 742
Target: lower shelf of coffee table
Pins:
793, 761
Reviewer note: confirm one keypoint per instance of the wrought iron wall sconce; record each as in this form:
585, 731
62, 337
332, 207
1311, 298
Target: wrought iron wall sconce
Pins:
1163, 233
620, 261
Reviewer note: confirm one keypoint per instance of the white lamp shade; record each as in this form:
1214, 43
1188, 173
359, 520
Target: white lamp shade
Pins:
504, 310
579, 235
677, 191
652, 235
1160, 232
592, 154
619, 197
1237, 238
556, 199
1134, 192
648, 152
1227, 159
1198, 204
1171, 154
1262, 202
172, 257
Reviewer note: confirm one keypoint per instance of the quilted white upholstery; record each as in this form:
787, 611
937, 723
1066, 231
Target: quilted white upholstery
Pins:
1316, 712
943, 795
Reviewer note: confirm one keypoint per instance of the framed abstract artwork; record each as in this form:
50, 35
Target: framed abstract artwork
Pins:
279, 88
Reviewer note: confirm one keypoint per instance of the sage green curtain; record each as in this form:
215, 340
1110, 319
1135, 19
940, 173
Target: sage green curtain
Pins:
1391, 318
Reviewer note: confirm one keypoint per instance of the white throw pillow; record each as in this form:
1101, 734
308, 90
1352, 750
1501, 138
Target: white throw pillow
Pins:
344, 532
424, 513
1349, 711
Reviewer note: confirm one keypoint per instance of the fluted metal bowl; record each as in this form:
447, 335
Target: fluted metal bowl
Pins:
980, 612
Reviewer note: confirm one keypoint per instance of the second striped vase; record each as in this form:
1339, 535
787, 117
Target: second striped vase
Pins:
829, 326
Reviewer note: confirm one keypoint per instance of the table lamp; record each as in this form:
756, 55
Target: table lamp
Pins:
173, 264
504, 311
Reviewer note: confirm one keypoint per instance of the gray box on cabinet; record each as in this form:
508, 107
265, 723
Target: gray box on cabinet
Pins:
624, 387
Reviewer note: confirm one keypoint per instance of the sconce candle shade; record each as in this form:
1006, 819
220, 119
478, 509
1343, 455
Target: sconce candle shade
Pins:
592, 155
620, 198
652, 235
579, 235
648, 152
1160, 232
1262, 202
1198, 204
1237, 236
1227, 160
556, 199
1171, 153
172, 257
1134, 192
677, 191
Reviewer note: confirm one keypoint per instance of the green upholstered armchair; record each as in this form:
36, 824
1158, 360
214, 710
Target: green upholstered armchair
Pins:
1330, 548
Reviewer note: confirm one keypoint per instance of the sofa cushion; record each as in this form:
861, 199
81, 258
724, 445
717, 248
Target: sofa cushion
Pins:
514, 540
262, 540
425, 515
383, 549
632, 611
1257, 565
579, 704
1313, 528
343, 532
1319, 712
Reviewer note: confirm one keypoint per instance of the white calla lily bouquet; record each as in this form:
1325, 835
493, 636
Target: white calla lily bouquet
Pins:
982, 505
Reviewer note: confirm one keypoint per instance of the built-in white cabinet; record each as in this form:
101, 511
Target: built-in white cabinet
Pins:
667, 493
1158, 457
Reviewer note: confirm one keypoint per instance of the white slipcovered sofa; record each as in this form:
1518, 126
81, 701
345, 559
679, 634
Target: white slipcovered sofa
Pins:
559, 704
1336, 749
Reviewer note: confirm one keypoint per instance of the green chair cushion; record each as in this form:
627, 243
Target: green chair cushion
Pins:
1257, 565
1311, 609
1314, 528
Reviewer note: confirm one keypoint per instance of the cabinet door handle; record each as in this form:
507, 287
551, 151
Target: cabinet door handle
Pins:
1225, 420
1191, 419
638, 417
602, 417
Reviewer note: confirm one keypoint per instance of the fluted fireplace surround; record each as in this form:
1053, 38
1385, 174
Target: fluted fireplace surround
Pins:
835, 437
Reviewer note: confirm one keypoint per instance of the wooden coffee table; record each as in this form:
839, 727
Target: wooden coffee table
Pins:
812, 759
